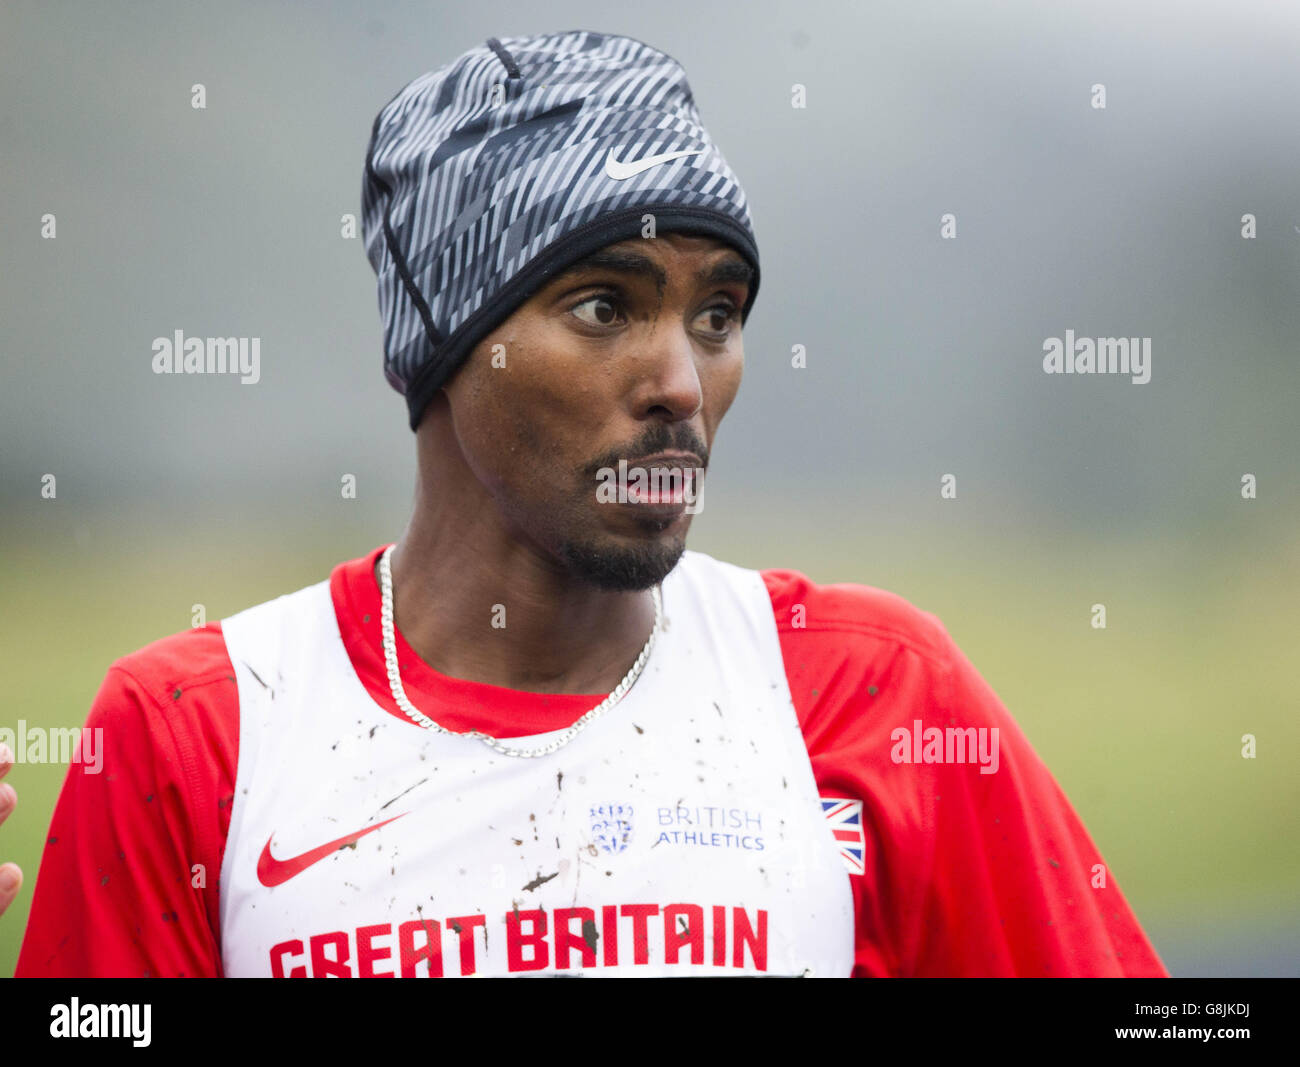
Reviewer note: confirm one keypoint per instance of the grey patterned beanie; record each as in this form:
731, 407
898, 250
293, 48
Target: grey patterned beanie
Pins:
488, 176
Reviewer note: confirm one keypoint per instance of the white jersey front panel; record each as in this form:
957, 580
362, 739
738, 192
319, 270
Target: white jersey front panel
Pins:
679, 833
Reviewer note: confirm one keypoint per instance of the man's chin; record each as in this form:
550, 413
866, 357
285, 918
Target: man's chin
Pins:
624, 567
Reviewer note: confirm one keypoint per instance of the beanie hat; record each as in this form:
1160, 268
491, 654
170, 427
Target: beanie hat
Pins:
487, 177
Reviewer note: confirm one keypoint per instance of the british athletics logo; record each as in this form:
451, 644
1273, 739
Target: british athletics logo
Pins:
611, 826
845, 820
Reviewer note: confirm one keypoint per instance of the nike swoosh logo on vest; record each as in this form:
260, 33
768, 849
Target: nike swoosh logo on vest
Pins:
272, 872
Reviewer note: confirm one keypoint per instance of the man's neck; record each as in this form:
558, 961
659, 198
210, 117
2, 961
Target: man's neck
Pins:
486, 609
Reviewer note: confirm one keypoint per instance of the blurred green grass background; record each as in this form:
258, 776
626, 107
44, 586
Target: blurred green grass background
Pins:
1141, 723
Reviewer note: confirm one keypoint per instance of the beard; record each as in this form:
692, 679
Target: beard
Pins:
623, 565
622, 568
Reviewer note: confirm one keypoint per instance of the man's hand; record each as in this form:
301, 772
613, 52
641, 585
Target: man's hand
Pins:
11, 877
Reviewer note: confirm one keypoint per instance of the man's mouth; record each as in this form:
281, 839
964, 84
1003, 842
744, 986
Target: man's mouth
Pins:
667, 484
659, 485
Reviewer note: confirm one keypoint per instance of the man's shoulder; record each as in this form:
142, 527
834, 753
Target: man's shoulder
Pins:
844, 613
200, 656
850, 608
166, 669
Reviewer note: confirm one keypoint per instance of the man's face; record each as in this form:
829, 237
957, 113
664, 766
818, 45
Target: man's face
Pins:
635, 354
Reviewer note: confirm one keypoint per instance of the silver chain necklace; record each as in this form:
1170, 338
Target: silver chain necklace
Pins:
420, 719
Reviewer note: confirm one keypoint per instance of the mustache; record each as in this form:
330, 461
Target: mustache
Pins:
658, 438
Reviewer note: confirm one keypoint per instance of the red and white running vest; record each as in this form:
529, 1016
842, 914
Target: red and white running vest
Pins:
680, 833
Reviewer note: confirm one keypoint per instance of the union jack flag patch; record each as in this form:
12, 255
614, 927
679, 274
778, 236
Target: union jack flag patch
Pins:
845, 820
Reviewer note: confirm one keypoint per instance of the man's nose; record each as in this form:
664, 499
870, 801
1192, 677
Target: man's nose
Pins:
668, 378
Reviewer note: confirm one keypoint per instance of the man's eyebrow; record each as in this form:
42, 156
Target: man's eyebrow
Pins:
619, 263
729, 270
726, 272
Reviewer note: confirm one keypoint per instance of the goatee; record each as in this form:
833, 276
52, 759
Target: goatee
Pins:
622, 569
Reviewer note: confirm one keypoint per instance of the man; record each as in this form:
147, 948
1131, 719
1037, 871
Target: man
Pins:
537, 736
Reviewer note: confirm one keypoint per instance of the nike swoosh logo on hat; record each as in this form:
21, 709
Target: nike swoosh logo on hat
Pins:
619, 169
272, 872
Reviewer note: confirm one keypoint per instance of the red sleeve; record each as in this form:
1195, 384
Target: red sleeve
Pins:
128, 883
967, 872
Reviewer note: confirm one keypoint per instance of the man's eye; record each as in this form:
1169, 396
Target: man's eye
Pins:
717, 318
601, 310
